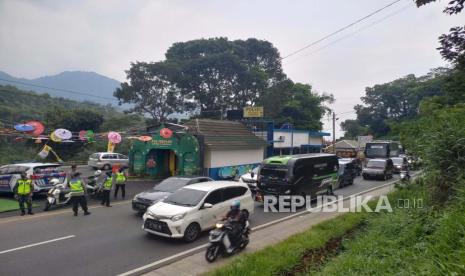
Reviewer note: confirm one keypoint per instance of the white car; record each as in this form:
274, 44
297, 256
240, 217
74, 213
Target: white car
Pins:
195, 208
40, 173
250, 179
106, 160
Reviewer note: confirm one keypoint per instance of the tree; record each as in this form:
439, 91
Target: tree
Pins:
74, 120
298, 105
151, 90
453, 44
353, 129
221, 74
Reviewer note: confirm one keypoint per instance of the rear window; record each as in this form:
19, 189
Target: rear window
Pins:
13, 169
376, 164
47, 169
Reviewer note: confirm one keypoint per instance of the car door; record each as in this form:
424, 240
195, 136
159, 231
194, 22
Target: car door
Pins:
209, 216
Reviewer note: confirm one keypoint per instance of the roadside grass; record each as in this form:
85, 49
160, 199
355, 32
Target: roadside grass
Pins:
10, 205
423, 241
286, 254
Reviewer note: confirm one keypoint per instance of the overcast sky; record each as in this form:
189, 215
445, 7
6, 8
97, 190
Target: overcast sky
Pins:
45, 37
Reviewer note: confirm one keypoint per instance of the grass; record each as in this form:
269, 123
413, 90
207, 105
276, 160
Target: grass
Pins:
286, 254
10, 205
421, 241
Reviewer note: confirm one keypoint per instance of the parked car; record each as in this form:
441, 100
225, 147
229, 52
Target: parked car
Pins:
250, 179
378, 168
347, 172
400, 164
195, 208
40, 173
143, 200
106, 160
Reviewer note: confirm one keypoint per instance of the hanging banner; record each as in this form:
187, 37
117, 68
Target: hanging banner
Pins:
44, 152
111, 147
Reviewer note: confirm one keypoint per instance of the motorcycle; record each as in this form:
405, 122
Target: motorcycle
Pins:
220, 243
404, 179
59, 195
93, 187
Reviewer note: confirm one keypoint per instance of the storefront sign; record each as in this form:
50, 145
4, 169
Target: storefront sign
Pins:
253, 112
162, 142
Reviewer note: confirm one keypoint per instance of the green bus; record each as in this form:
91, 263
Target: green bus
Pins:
303, 174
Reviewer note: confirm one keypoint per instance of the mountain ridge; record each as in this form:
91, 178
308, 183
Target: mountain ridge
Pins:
75, 85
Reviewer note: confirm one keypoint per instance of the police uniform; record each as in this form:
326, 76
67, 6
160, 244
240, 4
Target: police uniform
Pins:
23, 190
120, 184
107, 184
78, 195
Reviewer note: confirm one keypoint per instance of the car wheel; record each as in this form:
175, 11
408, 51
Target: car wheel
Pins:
365, 177
192, 232
106, 167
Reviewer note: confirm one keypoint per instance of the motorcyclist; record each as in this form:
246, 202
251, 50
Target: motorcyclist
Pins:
237, 219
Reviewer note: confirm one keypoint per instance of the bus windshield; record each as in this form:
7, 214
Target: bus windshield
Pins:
379, 150
273, 172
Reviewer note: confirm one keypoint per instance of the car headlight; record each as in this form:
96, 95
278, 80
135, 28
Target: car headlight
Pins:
149, 213
219, 225
287, 192
177, 217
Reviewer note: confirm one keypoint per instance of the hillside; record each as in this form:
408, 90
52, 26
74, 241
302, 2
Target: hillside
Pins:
89, 86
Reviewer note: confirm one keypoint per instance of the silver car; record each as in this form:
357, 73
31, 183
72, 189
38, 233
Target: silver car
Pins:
106, 160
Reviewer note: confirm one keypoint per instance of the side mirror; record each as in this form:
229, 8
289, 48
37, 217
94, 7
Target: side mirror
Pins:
252, 174
207, 205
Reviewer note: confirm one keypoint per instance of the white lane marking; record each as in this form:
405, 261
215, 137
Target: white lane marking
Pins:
173, 258
36, 244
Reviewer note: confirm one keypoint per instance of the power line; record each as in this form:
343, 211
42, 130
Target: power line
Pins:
59, 89
340, 29
352, 33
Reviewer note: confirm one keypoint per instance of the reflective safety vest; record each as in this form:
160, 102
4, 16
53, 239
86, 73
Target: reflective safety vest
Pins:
120, 178
24, 187
108, 183
76, 186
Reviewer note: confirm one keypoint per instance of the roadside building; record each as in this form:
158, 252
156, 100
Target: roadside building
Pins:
293, 141
219, 149
344, 148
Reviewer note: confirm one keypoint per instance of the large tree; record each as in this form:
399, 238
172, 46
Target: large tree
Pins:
151, 90
221, 74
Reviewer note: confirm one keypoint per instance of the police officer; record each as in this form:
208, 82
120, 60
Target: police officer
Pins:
78, 193
120, 183
23, 192
107, 184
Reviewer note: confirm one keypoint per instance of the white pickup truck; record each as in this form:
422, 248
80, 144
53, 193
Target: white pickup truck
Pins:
40, 173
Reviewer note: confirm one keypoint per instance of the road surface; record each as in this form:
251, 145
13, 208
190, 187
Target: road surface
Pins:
108, 242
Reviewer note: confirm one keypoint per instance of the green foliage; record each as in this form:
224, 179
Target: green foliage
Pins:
19, 106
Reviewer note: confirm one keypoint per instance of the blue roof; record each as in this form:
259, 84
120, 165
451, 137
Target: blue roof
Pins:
310, 132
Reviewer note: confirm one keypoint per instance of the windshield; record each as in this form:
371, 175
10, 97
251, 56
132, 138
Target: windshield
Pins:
171, 184
47, 169
397, 161
376, 150
276, 172
376, 164
185, 197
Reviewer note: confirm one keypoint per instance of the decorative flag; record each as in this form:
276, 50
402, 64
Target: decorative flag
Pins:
38, 128
44, 152
114, 137
111, 147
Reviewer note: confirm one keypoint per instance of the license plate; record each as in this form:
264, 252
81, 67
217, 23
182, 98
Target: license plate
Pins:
154, 225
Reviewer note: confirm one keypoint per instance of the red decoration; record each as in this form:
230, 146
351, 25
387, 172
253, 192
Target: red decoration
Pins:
166, 133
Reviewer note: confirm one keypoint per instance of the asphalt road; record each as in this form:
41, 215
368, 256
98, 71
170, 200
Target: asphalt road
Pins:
108, 242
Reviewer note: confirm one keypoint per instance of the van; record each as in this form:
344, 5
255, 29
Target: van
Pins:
106, 160
302, 174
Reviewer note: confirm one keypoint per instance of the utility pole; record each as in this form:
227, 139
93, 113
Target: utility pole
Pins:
334, 132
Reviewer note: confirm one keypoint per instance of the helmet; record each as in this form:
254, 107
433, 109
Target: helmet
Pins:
235, 205
54, 181
97, 173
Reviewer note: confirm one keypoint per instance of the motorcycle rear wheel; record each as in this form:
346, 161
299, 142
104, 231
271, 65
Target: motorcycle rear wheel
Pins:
212, 253
47, 206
